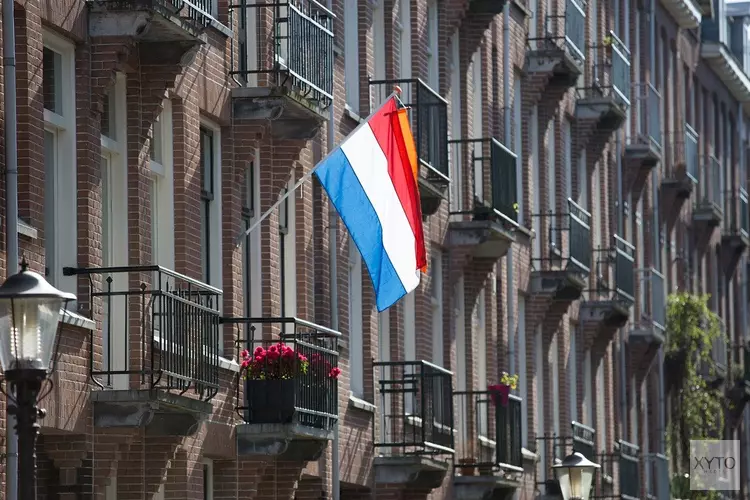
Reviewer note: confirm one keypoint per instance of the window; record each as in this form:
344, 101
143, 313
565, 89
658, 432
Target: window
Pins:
476, 122
573, 372
251, 248
536, 248
114, 181
410, 342
208, 479
288, 254
378, 39
403, 31
356, 357
551, 178
456, 185
210, 171
568, 152
433, 61
522, 387
555, 379
60, 182
601, 424
436, 270
518, 141
481, 341
351, 54
587, 410
162, 189
541, 430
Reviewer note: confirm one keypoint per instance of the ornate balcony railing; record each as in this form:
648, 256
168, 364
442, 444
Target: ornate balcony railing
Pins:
492, 162
657, 476
575, 226
429, 122
653, 299
299, 52
620, 258
583, 440
629, 461
490, 433
653, 116
199, 13
291, 377
159, 329
415, 408
568, 31
611, 71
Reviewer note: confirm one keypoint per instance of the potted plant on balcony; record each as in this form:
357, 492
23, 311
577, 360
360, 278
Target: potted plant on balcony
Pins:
500, 392
271, 378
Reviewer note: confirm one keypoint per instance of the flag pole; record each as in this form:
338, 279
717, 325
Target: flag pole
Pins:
396, 93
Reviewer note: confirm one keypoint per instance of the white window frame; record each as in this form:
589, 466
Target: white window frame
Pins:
252, 277
541, 428
403, 28
438, 339
162, 189
600, 408
476, 122
289, 263
551, 181
208, 485
523, 388
573, 372
481, 341
536, 224
351, 54
378, 39
457, 174
518, 143
110, 490
212, 269
555, 379
568, 152
410, 342
356, 340
61, 189
432, 49
587, 408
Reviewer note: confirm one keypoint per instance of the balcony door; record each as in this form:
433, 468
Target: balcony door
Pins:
115, 338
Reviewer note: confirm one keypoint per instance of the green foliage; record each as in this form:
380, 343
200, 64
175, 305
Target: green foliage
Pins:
695, 408
680, 488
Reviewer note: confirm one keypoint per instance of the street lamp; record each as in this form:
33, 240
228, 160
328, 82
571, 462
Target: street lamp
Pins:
575, 475
29, 315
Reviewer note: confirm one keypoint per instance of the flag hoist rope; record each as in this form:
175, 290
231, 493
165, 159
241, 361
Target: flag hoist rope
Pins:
243, 235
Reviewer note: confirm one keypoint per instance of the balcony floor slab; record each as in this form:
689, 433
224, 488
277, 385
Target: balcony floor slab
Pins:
485, 487
708, 214
561, 285
160, 412
284, 441
412, 471
563, 69
607, 313
488, 239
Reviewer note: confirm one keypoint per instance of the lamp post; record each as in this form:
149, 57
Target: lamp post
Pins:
29, 315
575, 475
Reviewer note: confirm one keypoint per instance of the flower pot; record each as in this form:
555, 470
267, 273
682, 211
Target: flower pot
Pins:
465, 468
485, 470
499, 394
270, 401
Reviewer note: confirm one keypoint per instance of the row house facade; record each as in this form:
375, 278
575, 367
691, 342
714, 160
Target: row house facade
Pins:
579, 161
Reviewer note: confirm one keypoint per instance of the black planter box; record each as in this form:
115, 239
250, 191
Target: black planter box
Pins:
270, 401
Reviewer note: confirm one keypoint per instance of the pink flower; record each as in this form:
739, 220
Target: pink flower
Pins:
302, 358
259, 351
245, 363
334, 373
244, 353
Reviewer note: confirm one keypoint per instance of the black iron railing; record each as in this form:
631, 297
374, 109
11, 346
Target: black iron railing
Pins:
575, 224
629, 460
611, 71
300, 49
713, 187
719, 349
584, 440
197, 12
493, 162
691, 153
490, 432
738, 220
566, 32
653, 116
620, 258
554, 447
429, 122
653, 298
415, 408
159, 329
289, 372
657, 476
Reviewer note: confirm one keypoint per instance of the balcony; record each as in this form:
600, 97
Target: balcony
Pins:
556, 60
721, 55
656, 466
715, 371
167, 31
739, 392
600, 108
551, 448
289, 407
158, 364
485, 224
429, 124
687, 13
626, 458
645, 148
608, 305
489, 442
648, 333
709, 207
414, 441
681, 175
735, 236
289, 83
486, 7
560, 275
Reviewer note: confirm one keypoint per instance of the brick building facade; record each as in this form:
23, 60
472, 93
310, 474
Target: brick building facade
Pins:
579, 161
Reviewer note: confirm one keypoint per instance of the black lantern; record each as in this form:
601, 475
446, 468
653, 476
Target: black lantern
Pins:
30, 310
575, 474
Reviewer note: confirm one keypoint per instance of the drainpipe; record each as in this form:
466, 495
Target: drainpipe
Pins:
507, 140
11, 221
333, 221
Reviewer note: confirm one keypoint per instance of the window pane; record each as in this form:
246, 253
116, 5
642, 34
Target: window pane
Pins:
207, 160
51, 80
156, 142
50, 157
108, 116
154, 220
106, 214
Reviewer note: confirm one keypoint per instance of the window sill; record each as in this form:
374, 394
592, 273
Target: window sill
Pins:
26, 229
361, 404
353, 115
529, 233
222, 28
529, 456
74, 319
